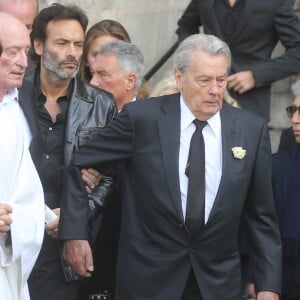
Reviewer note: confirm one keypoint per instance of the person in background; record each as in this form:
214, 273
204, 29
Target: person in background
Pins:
22, 208
165, 86
105, 257
24, 10
69, 112
286, 178
193, 166
117, 68
252, 29
100, 33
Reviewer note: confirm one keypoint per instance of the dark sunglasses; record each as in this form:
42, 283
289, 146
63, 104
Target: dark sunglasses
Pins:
290, 110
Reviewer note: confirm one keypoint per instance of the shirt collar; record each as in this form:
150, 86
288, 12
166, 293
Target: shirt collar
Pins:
187, 118
10, 96
134, 99
37, 85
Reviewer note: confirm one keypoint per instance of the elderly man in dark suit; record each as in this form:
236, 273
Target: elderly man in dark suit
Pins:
252, 29
179, 226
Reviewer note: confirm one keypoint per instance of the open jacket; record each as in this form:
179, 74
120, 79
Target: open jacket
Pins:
89, 110
156, 249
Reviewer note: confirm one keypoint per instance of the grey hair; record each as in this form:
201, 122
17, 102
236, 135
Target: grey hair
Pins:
129, 57
199, 42
296, 88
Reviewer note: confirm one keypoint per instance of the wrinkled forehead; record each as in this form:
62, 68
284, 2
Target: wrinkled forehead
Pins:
13, 36
65, 27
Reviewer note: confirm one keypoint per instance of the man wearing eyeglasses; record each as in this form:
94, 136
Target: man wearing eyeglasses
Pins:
286, 186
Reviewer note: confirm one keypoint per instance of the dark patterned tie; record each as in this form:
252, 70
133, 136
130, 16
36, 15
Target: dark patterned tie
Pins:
195, 171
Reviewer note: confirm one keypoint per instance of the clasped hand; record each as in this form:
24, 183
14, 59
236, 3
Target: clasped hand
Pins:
5, 219
91, 178
78, 254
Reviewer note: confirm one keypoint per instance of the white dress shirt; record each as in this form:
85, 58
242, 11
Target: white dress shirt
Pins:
213, 156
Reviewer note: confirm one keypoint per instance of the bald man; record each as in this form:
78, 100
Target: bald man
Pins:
21, 194
24, 10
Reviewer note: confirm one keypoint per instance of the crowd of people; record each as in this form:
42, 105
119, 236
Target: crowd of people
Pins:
111, 190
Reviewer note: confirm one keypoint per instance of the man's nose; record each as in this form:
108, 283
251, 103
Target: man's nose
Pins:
214, 87
73, 50
94, 81
23, 60
296, 117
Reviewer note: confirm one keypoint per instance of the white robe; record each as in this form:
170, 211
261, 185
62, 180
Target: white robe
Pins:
21, 188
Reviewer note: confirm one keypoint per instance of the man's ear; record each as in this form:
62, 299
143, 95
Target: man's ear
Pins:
38, 47
178, 78
131, 81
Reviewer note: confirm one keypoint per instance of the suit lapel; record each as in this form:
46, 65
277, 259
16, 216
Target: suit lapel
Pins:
27, 101
169, 134
28, 108
230, 139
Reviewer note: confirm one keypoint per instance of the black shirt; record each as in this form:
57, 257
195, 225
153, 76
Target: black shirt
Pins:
52, 138
228, 16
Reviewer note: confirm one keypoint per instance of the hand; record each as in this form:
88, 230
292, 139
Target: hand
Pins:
241, 82
78, 254
267, 296
250, 290
52, 227
5, 219
91, 177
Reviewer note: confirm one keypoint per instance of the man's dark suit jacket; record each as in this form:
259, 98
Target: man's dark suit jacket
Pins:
260, 27
156, 250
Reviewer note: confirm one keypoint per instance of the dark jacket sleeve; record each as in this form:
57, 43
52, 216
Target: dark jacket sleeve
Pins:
100, 196
189, 22
110, 146
263, 235
286, 26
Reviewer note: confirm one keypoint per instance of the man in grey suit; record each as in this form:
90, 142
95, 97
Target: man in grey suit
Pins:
168, 251
252, 29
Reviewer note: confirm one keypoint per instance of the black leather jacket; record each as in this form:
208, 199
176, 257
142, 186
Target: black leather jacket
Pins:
89, 110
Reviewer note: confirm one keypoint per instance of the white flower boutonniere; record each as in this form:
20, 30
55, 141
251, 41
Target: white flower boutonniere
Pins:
238, 152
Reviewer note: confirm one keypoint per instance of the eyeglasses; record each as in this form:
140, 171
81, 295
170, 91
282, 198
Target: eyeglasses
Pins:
290, 110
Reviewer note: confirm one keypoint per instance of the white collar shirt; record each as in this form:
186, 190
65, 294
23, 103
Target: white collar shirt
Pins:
213, 156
